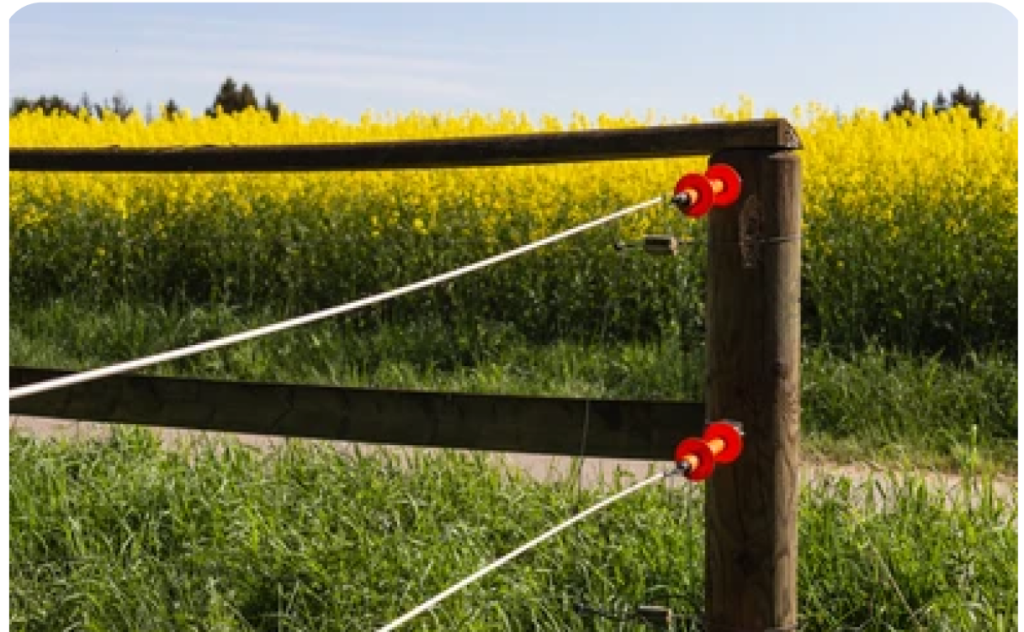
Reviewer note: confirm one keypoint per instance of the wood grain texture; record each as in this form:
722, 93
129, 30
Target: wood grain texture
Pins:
495, 150
541, 425
754, 377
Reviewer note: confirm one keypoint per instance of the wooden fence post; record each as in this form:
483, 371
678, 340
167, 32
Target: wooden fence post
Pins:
754, 377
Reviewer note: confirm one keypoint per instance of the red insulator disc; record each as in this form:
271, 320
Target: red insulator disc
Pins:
731, 183
727, 434
705, 194
697, 449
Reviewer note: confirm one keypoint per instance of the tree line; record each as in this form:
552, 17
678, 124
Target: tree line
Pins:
230, 98
234, 98
961, 96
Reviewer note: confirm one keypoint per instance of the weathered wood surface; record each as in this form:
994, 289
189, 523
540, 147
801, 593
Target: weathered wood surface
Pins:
495, 150
754, 377
618, 429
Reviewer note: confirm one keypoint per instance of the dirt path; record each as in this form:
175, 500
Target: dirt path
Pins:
540, 467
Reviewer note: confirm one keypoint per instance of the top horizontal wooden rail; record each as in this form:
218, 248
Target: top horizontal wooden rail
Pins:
483, 151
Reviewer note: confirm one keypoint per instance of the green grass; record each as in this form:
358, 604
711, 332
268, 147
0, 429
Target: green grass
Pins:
122, 534
872, 405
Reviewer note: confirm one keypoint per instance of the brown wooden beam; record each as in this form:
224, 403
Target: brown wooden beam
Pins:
483, 151
541, 425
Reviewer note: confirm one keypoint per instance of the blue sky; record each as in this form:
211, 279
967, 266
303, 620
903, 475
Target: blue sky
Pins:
343, 59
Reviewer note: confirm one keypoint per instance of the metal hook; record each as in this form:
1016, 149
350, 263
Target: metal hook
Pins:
665, 245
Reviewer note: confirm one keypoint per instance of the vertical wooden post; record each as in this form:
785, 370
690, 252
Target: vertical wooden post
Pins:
754, 378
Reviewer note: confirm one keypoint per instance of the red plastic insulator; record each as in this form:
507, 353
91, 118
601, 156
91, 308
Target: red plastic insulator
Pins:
730, 438
731, 183
719, 186
699, 186
695, 449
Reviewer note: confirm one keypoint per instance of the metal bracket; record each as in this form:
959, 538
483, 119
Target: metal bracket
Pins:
653, 245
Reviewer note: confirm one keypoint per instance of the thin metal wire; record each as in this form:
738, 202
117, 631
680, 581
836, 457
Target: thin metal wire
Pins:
493, 566
586, 409
578, 475
888, 572
124, 367
623, 245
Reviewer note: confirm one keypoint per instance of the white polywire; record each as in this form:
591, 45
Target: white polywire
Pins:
124, 367
496, 564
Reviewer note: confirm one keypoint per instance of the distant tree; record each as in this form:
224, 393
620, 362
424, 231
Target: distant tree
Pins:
117, 105
170, 109
52, 104
903, 103
271, 106
231, 98
49, 105
19, 105
972, 101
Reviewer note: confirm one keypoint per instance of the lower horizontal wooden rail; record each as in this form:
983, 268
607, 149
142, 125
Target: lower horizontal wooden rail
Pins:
543, 425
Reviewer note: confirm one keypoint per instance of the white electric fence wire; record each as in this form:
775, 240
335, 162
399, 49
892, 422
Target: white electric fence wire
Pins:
496, 564
124, 367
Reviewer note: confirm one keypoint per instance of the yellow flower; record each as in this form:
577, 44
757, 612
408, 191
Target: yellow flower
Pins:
857, 164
